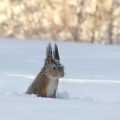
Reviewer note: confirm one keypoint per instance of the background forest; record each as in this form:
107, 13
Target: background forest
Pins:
95, 21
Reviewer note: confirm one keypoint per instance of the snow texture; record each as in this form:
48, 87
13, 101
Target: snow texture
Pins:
90, 89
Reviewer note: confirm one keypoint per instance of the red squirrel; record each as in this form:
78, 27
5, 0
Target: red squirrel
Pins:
46, 82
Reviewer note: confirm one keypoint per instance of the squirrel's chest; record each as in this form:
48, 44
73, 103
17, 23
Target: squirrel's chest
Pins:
52, 87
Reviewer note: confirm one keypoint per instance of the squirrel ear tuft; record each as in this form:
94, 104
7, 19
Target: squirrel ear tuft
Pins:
56, 53
49, 52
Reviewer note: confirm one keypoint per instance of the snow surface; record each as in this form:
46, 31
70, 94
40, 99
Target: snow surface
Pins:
90, 89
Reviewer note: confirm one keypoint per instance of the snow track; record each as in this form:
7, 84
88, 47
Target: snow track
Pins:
67, 79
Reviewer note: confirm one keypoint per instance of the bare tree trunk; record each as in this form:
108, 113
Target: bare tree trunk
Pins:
93, 37
110, 32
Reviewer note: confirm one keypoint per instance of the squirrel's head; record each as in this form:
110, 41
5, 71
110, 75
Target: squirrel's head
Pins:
53, 68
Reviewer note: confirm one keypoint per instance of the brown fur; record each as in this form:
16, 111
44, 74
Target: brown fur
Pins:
42, 82
40, 85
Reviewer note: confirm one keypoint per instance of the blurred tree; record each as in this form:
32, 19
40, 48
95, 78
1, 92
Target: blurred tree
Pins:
80, 20
112, 16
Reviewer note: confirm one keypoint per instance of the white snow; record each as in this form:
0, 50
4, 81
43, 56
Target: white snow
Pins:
90, 89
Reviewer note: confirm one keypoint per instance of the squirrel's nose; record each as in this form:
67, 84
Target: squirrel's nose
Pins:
61, 67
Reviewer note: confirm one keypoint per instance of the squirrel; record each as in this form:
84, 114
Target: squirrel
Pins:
46, 82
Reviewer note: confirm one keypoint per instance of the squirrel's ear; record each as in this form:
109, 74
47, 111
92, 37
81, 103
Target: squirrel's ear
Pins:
56, 53
49, 52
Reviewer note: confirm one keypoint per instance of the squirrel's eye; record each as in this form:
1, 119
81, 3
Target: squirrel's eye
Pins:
53, 67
